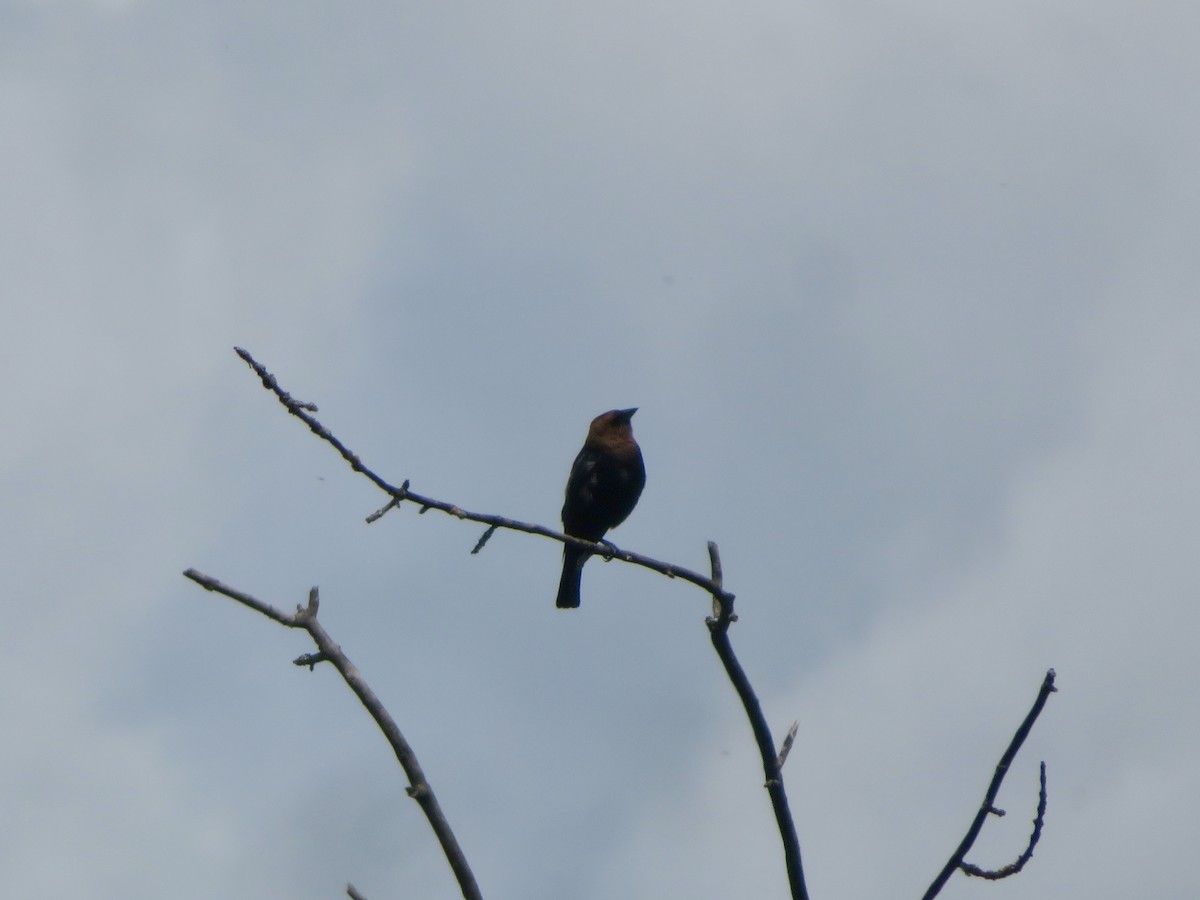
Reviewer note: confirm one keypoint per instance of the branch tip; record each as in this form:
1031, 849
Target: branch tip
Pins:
714, 559
786, 748
381, 512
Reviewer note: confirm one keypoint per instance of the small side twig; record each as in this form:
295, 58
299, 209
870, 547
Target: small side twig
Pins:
718, 627
484, 538
305, 618
788, 740
988, 807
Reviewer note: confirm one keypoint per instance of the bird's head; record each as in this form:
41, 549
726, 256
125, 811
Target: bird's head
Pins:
613, 423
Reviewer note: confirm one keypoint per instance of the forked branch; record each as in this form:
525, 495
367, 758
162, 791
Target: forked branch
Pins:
988, 807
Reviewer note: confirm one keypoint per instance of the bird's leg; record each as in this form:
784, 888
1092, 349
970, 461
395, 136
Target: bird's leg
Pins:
612, 550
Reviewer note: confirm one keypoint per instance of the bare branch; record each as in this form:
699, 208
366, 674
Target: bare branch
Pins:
402, 494
718, 627
988, 807
723, 614
211, 584
328, 651
722, 617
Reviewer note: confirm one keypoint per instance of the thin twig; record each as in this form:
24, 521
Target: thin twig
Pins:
988, 807
483, 539
305, 618
718, 627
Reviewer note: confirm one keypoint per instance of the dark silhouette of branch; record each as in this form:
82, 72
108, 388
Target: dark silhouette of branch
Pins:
988, 807
718, 626
402, 494
305, 618
723, 616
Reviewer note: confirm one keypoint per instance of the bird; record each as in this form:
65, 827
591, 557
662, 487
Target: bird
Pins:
605, 483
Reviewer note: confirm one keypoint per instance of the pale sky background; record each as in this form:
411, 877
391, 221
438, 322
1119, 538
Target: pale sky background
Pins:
907, 296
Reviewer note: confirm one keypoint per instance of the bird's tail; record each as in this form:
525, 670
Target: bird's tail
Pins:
568, 585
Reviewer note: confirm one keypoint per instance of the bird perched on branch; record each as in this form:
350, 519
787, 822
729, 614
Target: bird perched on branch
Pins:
602, 490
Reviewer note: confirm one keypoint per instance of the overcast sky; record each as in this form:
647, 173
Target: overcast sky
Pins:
907, 296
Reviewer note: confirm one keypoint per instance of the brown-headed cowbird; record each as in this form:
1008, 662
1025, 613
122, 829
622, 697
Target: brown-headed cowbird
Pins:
605, 483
